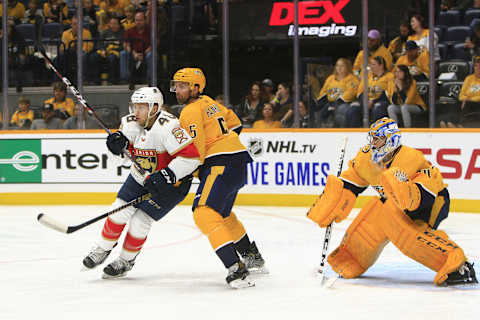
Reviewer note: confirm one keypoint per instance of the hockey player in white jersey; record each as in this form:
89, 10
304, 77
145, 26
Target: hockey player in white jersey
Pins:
166, 153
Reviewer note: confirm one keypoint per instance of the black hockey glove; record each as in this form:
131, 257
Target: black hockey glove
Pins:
117, 142
161, 183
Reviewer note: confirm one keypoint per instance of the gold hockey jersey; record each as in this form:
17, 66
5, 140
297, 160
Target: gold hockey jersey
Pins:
211, 126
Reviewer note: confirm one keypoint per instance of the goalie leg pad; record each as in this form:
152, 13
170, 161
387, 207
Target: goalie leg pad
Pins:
363, 242
417, 240
335, 203
236, 228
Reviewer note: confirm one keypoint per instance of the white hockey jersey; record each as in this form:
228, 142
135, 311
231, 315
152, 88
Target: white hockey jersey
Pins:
164, 144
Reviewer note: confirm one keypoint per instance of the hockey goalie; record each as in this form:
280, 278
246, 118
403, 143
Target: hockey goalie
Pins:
412, 202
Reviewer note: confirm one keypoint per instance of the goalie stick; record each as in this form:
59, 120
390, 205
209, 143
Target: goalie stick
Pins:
60, 227
328, 231
82, 101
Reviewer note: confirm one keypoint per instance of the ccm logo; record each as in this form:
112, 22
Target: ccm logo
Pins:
444, 159
283, 13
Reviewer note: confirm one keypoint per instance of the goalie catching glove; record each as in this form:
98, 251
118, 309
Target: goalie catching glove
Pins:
335, 203
404, 192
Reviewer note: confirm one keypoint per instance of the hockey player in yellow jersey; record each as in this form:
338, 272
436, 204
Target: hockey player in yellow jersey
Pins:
214, 130
412, 202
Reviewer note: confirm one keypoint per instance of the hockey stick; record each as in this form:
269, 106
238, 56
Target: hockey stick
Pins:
82, 101
328, 230
60, 227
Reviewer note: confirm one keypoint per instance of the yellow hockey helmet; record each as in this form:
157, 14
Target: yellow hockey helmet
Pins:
192, 76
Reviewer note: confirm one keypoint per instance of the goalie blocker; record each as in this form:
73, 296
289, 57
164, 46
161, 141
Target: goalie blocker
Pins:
412, 202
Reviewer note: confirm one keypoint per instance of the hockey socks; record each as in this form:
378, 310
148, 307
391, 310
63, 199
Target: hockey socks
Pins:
110, 234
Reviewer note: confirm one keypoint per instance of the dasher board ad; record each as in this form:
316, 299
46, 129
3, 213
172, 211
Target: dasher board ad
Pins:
284, 162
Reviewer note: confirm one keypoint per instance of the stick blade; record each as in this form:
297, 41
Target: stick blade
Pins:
52, 223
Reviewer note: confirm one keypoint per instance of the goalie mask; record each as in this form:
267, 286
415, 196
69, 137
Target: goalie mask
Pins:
383, 138
149, 95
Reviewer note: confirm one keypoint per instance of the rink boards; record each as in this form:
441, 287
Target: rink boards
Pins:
290, 167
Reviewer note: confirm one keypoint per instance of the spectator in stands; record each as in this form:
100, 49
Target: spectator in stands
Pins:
116, 7
305, 121
49, 119
23, 116
375, 48
312, 83
18, 60
56, 11
250, 109
337, 93
472, 43
404, 97
268, 122
15, 10
397, 45
417, 62
421, 34
108, 53
267, 94
75, 121
137, 43
283, 104
90, 17
69, 54
129, 21
378, 80
470, 95
34, 13
61, 104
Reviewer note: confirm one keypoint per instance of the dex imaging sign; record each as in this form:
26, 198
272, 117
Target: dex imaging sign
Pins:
315, 18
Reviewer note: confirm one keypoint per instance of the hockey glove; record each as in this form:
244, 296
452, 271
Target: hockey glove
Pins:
161, 183
400, 189
117, 142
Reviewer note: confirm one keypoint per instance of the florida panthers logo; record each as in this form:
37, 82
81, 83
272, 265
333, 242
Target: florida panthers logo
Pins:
146, 159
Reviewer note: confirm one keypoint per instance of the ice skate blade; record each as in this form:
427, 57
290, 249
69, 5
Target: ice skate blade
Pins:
262, 270
107, 276
241, 284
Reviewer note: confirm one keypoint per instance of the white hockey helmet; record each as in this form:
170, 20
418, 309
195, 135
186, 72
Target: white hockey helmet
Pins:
150, 95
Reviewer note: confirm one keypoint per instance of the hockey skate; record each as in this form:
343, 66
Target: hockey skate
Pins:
237, 277
118, 268
253, 260
464, 275
96, 257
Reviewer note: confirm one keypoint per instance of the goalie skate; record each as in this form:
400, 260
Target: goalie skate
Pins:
96, 257
254, 261
464, 275
237, 277
118, 268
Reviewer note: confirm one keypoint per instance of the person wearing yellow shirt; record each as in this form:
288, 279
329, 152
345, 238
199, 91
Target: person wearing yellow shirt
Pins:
417, 61
16, 9
375, 48
114, 6
470, 94
378, 79
339, 90
404, 97
71, 34
62, 105
268, 122
23, 117
397, 45
129, 21
56, 11
421, 35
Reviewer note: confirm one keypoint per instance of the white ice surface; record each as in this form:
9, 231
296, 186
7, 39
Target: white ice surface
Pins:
178, 276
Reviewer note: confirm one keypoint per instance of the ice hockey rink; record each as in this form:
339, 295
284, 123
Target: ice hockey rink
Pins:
178, 276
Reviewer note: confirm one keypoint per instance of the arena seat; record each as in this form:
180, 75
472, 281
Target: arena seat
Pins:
459, 67
450, 18
470, 15
27, 30
458, 33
